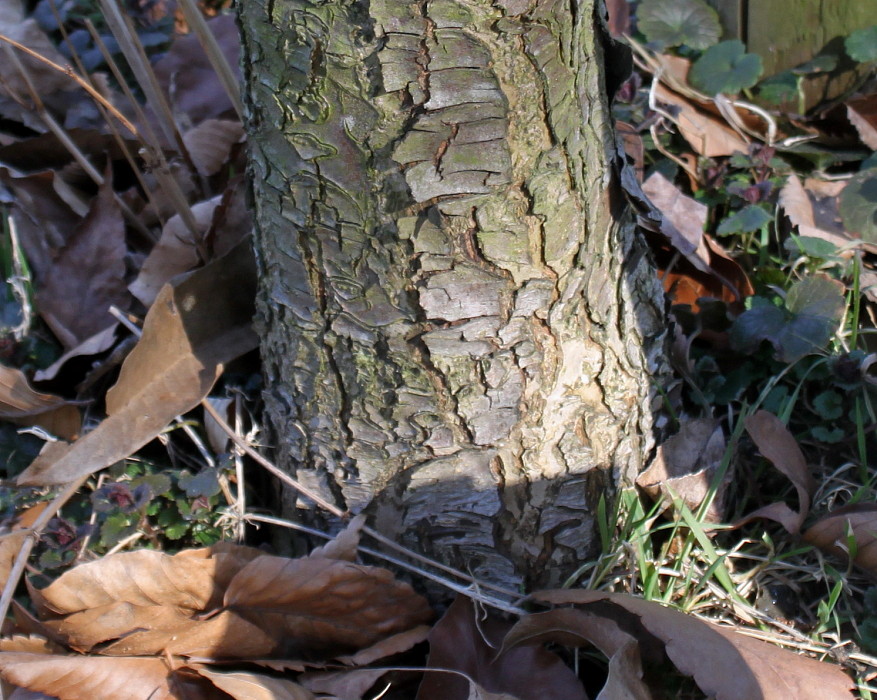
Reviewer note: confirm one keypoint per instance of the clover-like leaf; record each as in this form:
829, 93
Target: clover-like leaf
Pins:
749, 218
726, 68
690, 22
861, 45
812, 313
858, 205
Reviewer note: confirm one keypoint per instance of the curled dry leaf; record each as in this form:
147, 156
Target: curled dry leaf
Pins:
466, 641
20, 404
779, 447
575, 628
706, 133
200, 322
724, 664
862, 113
686, 465
849, 532
344, 544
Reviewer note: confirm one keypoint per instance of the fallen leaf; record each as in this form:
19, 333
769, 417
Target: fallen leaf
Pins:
209, 144
20, 404
95, 345
88, 275
143, 578
708, 135
683, 219
685, 466
725, 665
862, 113
243, 685
323, 605
10, 544
570, 627
848, 532
96, 678
779, 447
200, 322
188, 78
466, 641
349, 685
390, 646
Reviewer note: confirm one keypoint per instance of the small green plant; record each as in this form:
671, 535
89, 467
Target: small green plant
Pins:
726, 68
689, 22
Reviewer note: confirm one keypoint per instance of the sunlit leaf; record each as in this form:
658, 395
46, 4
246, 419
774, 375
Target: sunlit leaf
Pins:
725, 68
861, 45
690, 22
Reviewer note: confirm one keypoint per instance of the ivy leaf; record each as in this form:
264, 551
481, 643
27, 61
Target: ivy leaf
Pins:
858, 206
810, 317
690, 22
861, 45
725, 68
749, 218
829, 405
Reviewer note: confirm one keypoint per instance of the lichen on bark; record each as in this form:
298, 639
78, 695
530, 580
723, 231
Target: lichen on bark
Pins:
458, 327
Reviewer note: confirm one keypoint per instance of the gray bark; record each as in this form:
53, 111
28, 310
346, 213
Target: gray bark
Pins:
459, 323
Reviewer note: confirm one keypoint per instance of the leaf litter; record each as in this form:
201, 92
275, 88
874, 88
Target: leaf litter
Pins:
230, 621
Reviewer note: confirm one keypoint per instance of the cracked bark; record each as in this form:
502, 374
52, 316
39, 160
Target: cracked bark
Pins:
459, 323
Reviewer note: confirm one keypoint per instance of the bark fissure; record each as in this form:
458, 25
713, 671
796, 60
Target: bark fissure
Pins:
442, 299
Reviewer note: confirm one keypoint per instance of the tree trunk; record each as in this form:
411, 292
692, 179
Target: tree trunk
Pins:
458, 320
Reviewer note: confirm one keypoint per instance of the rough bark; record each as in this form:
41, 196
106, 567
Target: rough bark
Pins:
459, 322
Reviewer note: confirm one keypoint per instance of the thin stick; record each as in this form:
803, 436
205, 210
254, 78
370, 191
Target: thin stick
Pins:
68, 70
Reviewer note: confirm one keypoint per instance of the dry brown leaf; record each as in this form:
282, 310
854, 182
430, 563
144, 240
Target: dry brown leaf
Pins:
848, 529
570, 627
200, 322
243, 685
779, 447
862, 113
190, 81
708, 135
349, 685
686, 465
27, 643
209, 144
94, 345
20, 404
89, 677
174, 253
726, 665
10, 545
798, 203
144, 577
387, 647
683, 219
467, 642
88, 276
323, 605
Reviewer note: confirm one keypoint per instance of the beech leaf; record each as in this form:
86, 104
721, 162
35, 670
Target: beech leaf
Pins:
198, 323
